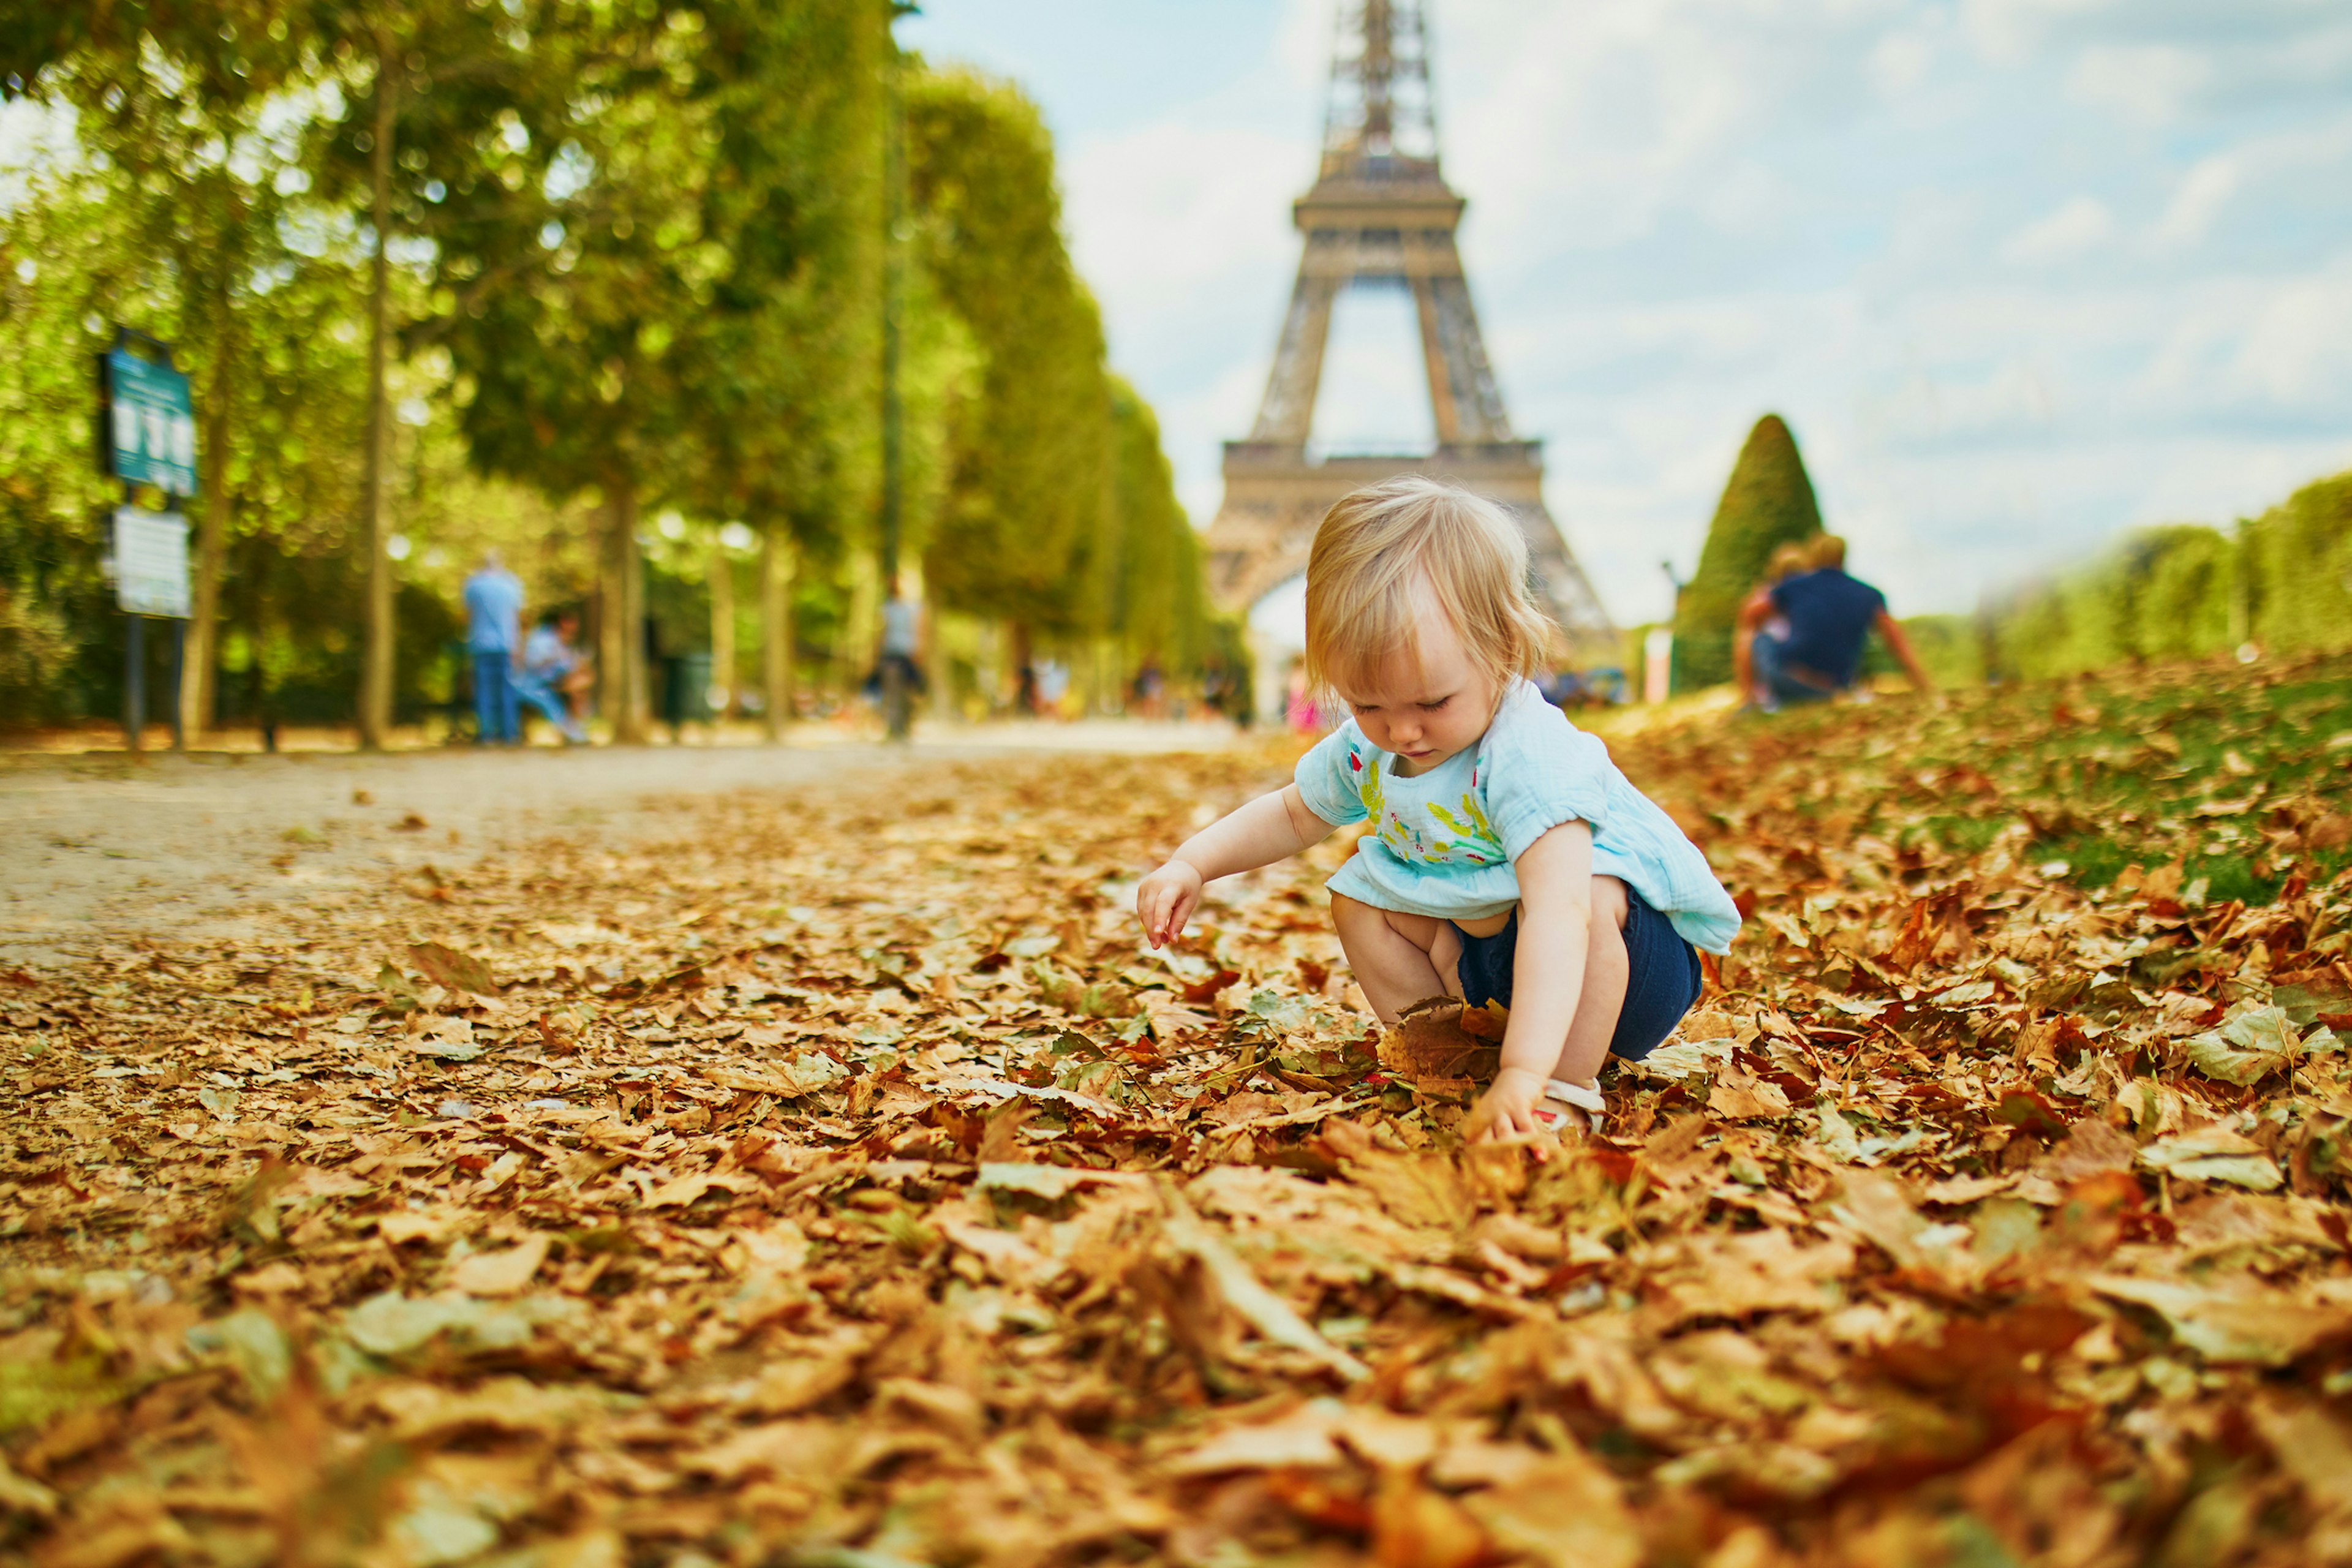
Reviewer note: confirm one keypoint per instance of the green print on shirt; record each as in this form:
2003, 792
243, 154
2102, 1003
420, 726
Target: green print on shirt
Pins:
1483, 845
1369, 788
1474, 839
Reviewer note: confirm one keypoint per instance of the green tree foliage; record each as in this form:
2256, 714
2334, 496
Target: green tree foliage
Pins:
168, 105
2282, 582
51, 498
633, 263
2299, 567
1148, 561
574, 243
1767, 503
1030, 475
782, 362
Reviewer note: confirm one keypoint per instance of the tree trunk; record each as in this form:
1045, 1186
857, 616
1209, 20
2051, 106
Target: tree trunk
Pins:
375, 678
722, 630
621, 655
198, 682
777, 561
853, 648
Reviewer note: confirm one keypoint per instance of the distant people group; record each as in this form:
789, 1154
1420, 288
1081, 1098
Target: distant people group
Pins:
1799, 636
546, 670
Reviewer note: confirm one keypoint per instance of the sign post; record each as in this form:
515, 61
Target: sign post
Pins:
147, 436
147, 419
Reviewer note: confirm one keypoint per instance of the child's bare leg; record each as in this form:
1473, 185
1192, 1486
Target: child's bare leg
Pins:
1606, 972
1399, 959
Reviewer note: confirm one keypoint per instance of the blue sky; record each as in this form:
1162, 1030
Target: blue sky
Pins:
2020, 273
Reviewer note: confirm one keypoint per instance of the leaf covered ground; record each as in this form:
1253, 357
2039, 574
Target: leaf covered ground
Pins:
834, 1180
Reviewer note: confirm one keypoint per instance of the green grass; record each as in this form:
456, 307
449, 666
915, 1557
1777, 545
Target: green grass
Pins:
2111, 773
2103, 773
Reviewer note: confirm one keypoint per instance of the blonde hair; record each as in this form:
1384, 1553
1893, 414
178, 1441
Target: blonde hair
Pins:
1788, 559
1828, 551
1382, 551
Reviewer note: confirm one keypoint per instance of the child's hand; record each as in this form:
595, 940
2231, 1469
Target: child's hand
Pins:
1507, 1108
1165, 900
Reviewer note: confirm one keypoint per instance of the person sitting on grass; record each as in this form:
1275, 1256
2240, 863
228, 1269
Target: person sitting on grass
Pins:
551, 668
1799, 638
1503, 845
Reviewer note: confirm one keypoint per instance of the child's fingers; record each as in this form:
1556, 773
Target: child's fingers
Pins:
1151, 907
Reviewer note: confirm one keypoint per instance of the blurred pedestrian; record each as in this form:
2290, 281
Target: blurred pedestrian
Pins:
1052, 687
553, 674
895, 671
1814, 652
1150, 690
494, 638
1300, 709
1561, 687
1792, 558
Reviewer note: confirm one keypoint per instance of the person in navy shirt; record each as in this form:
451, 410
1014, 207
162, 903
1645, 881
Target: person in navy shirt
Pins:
1828, 616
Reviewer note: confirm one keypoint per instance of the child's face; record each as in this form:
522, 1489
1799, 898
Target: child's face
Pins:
1429, 703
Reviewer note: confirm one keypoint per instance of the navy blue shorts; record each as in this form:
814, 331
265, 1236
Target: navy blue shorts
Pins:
1663, 979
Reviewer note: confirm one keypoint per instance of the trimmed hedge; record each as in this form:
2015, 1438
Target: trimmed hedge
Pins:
1767, 503
2281, 582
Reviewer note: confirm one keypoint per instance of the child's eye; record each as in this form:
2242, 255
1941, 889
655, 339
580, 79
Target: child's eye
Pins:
1433, 706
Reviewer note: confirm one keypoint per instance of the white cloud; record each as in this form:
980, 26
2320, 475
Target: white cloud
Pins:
2296, 352
1898, 64
2082, 225
2145, 84
2019, 272
2009, 32
2197, 200
1175, 209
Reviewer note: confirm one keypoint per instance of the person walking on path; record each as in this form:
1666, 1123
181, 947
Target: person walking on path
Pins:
900, 677
1817, 652
494, 638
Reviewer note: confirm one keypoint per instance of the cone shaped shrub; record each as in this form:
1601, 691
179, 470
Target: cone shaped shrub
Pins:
1767, 503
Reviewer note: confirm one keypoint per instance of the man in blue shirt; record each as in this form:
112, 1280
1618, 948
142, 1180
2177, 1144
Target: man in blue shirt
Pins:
1827, 615
494, 638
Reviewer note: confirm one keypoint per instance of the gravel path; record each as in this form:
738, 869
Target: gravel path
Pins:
104, 847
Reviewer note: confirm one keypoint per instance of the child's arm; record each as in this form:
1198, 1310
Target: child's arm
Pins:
1555, 875
1271, 827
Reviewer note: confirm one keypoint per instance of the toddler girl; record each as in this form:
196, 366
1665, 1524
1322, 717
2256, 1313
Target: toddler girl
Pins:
1505, 846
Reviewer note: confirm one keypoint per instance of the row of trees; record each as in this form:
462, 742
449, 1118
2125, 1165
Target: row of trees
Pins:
451, 273
2281, 582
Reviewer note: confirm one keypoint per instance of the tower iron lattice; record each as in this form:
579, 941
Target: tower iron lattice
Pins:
1381, 213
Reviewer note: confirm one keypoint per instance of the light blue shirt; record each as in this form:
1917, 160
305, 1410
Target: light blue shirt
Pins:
545, 654
1443, 842
494, 611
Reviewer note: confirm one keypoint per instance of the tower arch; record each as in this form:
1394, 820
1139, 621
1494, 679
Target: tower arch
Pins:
1380, 212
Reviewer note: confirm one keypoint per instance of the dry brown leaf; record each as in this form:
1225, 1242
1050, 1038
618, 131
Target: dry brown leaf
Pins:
503, 1273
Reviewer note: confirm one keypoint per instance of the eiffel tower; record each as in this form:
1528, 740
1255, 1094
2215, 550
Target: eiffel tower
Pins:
1381, 215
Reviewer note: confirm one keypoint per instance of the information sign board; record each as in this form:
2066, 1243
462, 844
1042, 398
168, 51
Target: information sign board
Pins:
149, 428
150, 563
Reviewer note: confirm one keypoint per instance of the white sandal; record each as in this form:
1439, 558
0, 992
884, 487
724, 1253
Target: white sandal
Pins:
1576, 1096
